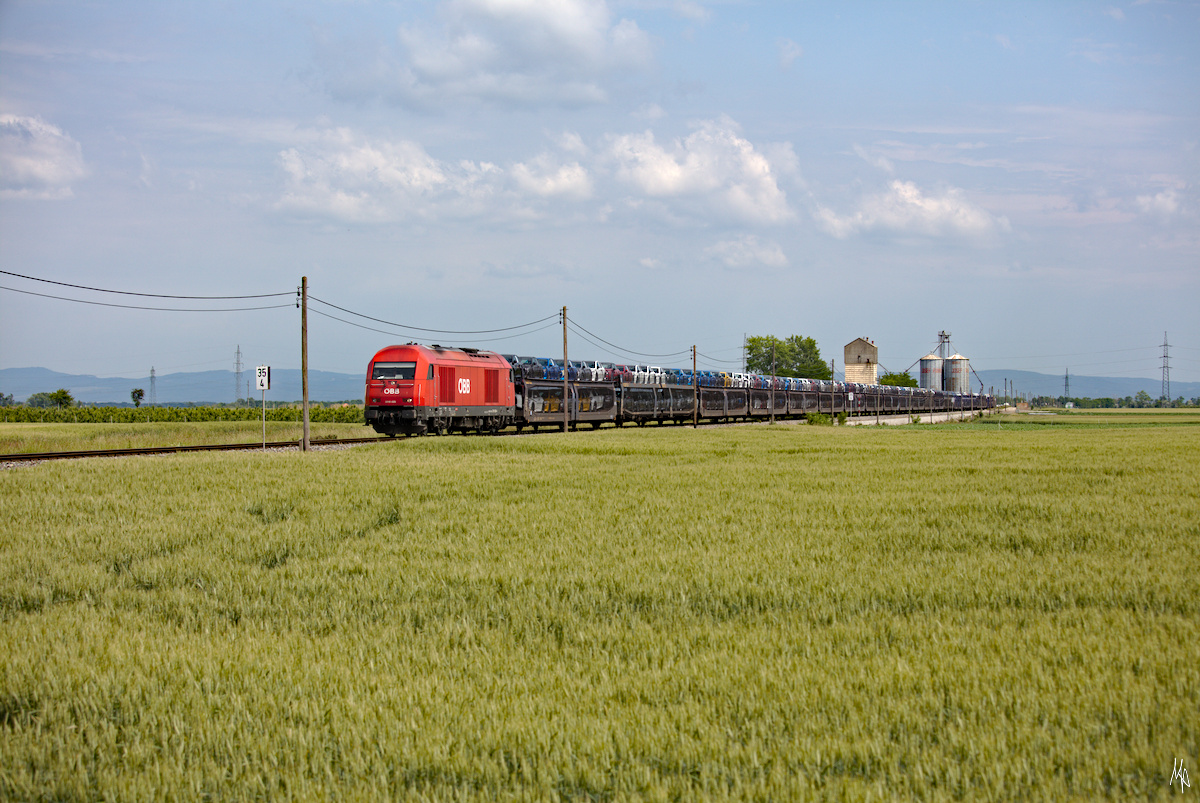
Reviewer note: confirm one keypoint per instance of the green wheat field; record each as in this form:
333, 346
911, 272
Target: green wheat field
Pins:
1006, 609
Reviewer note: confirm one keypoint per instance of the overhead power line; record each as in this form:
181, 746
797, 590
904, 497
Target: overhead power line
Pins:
156, 309
716, 359
425, 329
386, 332
575, 327
604, 349
131, 293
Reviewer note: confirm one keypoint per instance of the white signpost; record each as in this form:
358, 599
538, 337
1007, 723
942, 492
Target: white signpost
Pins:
262, 377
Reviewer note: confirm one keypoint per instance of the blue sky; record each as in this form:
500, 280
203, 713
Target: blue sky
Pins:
1023, 175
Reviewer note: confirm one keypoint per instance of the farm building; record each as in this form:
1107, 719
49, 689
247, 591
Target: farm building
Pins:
861, 361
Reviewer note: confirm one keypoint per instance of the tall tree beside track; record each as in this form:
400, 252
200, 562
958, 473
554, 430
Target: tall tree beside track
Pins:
796, 356
903, 379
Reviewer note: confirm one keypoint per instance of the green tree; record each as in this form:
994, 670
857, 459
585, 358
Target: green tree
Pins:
1142, 399
6, 400
796, 356
137, 394
61, 398
39, 400
903, 380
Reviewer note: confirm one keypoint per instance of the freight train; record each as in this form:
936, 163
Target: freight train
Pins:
415, 390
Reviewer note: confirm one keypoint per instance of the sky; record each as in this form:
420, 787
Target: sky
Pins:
1022, 175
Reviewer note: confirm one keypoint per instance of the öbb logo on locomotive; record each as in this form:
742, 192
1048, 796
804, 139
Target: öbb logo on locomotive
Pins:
464, 386
388, 391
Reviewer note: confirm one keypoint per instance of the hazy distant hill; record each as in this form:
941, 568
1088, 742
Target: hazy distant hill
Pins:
218, 386
1093, 387
203, 386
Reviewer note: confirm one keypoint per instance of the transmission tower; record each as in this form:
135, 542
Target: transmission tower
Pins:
1067, 383
153, 393
1166, 385
237, 368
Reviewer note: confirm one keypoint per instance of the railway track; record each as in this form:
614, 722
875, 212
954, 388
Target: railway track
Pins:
34, 457
215, 447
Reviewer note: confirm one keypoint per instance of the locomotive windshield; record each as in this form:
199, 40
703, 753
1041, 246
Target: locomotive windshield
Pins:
393, 370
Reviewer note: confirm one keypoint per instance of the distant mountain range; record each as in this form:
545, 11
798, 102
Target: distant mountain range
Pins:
1091, 387
182, 388
218, 386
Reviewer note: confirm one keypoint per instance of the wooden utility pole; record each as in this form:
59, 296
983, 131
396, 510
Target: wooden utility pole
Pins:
772, 380
304, 356
566, 390
832, 393
695, 392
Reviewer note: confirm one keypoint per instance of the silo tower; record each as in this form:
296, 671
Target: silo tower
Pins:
930, 377
956, 374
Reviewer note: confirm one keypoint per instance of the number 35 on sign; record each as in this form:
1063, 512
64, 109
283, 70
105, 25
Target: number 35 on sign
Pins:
262, 376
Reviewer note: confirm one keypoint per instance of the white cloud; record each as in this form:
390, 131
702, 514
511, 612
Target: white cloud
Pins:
523, 52
904, 209
689, 10
571, 142
714, 164
746, 251
1115, 13
880, 162
1103, 52
650, 111
148, 173
885, 153
37, 160
1162, 204
1003, 41
713, 174
543, 177
340, 176
39, 51
789, 51
685, 9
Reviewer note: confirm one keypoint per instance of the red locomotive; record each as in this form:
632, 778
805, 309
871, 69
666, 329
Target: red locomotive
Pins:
416, 389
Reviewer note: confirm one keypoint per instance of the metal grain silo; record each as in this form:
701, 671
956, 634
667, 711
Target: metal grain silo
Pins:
931, 372
956, 374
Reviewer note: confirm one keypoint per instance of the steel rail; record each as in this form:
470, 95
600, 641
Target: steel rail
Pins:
212, 447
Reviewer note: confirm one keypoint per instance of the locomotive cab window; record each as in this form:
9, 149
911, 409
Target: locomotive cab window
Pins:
393, 370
